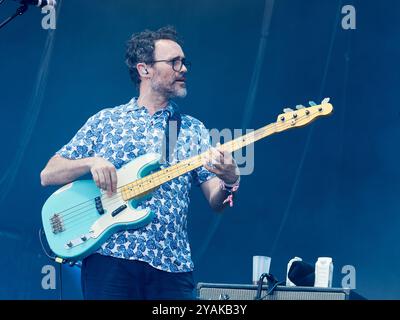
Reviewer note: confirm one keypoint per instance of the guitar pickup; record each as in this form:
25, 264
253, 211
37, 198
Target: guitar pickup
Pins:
99, 205
118, 210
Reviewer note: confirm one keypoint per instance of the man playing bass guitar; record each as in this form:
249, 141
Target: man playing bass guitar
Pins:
154, 261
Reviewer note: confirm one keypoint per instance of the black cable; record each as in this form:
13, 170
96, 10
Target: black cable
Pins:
51, 257
270, 291
271, 280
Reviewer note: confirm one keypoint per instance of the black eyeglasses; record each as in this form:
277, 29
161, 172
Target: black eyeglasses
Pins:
176, 63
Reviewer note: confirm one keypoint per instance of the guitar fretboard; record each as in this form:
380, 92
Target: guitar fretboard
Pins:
152, 181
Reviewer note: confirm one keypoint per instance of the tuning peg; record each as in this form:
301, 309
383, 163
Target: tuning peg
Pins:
326, 100
300, 106
312, 103
286, 110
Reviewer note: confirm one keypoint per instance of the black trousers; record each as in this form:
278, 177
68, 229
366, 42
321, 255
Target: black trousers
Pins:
109, 278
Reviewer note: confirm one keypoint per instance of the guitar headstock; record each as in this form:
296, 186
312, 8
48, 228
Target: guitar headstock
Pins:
302, 115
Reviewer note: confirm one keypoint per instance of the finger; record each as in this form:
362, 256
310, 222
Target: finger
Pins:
205, 159
114, 180
216, 156
108, 183
211, 152
221, 159
209, 156
96, 179
102, 179
220, 149
211, 159
207, 163
228, 159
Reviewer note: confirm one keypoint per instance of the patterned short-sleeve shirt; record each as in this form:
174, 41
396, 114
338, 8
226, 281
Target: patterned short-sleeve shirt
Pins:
123, 133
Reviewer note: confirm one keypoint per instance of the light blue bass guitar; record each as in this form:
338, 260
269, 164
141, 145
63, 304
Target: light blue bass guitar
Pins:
79, 217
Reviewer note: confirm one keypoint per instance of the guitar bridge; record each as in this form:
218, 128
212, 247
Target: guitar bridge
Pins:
57, 223
78, 241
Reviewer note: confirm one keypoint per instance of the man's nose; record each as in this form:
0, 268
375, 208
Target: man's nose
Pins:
184, 69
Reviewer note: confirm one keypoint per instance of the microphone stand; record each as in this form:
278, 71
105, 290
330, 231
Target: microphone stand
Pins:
20, 11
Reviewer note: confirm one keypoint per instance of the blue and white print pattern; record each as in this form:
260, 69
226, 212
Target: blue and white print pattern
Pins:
123, 133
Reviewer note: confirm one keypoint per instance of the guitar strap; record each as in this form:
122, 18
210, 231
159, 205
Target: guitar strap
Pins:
171, 141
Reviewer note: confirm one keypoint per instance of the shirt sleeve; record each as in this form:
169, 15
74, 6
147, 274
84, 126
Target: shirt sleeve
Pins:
83, 143
201, 174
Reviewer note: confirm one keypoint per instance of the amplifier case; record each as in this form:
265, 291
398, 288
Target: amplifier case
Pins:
217, 291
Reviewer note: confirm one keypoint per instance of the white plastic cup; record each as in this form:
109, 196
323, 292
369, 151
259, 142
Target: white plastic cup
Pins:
261, 264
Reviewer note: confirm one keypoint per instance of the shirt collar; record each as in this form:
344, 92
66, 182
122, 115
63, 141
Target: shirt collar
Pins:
171, 106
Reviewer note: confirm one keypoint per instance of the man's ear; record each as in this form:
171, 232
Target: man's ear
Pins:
142, 69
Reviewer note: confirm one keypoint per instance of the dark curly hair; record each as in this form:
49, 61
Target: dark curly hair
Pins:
140, 48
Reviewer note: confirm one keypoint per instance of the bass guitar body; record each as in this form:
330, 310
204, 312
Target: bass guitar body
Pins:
79, 217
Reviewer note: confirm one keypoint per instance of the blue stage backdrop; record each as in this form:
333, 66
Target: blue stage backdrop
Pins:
328, 189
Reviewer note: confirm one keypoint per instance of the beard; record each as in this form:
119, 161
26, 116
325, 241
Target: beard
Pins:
181, 92
171, 89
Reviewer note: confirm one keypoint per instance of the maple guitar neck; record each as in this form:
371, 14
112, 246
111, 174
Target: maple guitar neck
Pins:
290, 119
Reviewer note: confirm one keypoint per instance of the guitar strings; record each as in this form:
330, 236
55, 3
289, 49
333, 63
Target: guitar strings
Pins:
143, 181
78, 214
114, 199
89, 205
